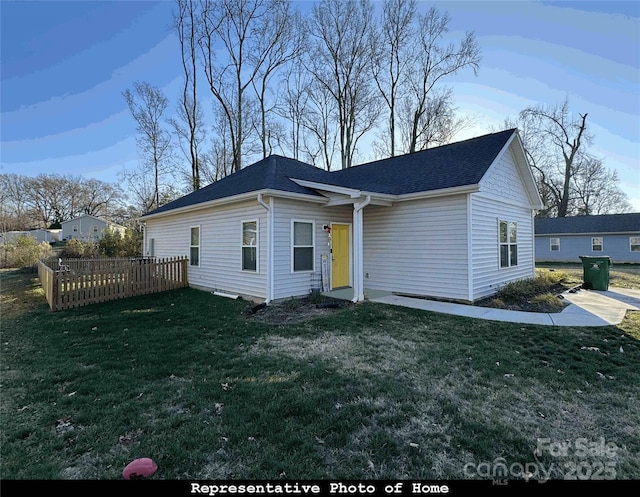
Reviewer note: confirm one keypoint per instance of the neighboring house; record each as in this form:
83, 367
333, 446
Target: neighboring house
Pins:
565, 239
40, 235
43, 235
88, 228
453, 222
11, 236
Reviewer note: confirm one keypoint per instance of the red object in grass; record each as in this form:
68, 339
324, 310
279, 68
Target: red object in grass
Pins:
139, 468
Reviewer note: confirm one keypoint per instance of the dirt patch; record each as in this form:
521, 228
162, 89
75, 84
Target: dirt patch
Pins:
297, 310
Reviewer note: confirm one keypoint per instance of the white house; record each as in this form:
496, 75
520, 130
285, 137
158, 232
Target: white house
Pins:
455, 222
88, 228
40, 235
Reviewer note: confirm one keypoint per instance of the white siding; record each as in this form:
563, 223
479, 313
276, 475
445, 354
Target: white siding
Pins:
503, 197
503, 181
288, 283
220, 246
488, 276
418, 247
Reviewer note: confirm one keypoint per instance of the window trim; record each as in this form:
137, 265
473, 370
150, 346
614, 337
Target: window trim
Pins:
593, 238
256, 246
509, 244
551, 244
198, 246
637, 244
312, 246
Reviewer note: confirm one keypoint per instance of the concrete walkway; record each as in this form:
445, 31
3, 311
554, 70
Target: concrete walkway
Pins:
587, 308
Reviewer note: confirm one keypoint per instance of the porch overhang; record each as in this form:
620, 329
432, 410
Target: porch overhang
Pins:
340, 195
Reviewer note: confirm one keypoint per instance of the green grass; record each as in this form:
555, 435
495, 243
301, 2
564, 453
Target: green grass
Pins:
366, 392
620, 275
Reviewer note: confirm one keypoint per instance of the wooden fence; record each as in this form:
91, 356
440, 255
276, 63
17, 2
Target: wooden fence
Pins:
71, 283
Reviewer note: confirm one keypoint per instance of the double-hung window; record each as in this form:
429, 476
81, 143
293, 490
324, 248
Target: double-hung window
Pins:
250, 246
194, 248
508, 236
555, 244
634, 243
596, 244
302, 246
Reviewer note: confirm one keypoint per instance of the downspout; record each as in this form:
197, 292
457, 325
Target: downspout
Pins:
470, 273
269, 209
358, 267
143, 225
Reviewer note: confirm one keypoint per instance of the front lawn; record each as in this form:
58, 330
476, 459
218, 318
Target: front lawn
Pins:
210, 391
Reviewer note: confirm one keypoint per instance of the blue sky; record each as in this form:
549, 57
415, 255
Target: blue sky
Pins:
65, 66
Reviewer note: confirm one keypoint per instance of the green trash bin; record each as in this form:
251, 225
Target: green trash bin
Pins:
595, 272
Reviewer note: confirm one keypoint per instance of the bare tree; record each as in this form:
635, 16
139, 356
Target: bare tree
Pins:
293, 107
14, 202
437, 125
147, 105
250, 34
392, 47
554, 141
189, 124
320, 126
595, 190
98, 198
340, 60
279, 41
218, 162
141, 187
432, 62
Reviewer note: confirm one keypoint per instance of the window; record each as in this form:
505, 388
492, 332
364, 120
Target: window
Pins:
596, 244
302, 236
555, 244
634, 243
75, 228
508, 236
250, 246
194, 249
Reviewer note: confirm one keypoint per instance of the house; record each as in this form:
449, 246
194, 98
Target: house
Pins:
40, 235
88, 228
12, 236
453, 222
565, 239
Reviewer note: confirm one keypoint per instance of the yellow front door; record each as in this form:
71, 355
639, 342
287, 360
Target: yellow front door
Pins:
340, 260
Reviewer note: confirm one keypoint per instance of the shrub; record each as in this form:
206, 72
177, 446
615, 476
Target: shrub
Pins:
544, 282
112, 244
25, 252
75, 249
498, 303
548, 302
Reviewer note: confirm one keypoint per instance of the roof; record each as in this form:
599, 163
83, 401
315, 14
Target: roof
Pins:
271, 173
607, 223
81, 216
448, 166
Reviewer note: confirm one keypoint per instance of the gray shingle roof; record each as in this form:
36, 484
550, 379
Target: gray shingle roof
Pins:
458, 164
271, 173
607, 223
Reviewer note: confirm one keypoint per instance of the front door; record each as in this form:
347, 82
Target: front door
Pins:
340, 260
